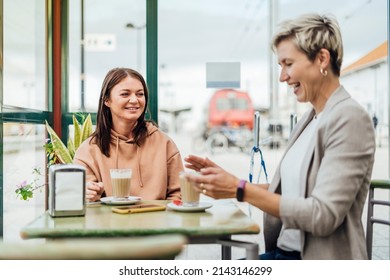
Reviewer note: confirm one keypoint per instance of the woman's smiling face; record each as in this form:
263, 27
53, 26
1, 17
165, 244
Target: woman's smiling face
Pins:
127, 100
299, 72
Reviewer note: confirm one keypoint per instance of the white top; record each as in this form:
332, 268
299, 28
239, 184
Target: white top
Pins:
289, 239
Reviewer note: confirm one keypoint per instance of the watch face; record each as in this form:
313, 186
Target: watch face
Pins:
240, 194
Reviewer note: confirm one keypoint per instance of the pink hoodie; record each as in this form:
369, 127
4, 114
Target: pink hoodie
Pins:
156, 164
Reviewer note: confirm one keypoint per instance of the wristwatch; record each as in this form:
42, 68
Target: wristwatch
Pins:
240, 190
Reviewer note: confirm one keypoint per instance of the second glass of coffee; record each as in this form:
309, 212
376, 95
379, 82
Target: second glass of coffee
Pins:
189, 195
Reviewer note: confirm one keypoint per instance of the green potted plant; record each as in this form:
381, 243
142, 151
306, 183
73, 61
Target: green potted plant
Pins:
57, 153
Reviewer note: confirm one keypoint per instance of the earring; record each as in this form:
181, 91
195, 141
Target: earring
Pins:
323, 72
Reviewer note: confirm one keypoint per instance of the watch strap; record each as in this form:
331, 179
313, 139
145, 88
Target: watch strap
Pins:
240, 190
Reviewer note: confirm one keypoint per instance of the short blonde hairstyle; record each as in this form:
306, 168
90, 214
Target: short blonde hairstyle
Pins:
311, 33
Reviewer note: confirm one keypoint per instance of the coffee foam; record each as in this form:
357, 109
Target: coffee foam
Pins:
120, 175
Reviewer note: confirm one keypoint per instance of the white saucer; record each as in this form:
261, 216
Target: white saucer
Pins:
201, 207
112, 201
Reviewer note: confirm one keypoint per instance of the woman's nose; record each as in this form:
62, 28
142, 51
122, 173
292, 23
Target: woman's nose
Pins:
283, 76
132, 99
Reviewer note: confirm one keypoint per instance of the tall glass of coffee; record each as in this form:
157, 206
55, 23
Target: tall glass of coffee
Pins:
189, 195
120, 182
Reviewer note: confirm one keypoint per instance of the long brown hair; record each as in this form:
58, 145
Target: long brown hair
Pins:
102, 134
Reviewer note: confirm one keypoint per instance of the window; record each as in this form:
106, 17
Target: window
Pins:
113, 33
24, 108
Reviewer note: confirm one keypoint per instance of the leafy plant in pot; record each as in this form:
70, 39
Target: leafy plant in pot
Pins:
57, 152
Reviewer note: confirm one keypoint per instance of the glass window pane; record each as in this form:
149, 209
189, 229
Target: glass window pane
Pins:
114, 36
25, 54
23, 151
193, 34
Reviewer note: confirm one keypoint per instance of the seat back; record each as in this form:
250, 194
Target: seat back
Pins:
371, 219
124, 248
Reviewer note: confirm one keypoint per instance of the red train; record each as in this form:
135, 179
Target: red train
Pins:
230, 108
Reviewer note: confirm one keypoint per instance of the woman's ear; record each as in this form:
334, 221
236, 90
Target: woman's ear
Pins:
324, 58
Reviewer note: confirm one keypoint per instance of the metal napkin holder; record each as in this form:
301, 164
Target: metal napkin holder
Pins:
66, 190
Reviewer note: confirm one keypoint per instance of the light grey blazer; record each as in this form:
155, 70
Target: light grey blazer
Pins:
334, 182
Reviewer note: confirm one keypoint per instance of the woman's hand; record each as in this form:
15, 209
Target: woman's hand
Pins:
197, 163
215, 182
94, 191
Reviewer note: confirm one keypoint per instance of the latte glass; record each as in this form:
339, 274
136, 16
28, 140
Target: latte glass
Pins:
189, 195
120, 182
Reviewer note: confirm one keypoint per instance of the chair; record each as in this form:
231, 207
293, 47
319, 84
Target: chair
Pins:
371, 219
131, 248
